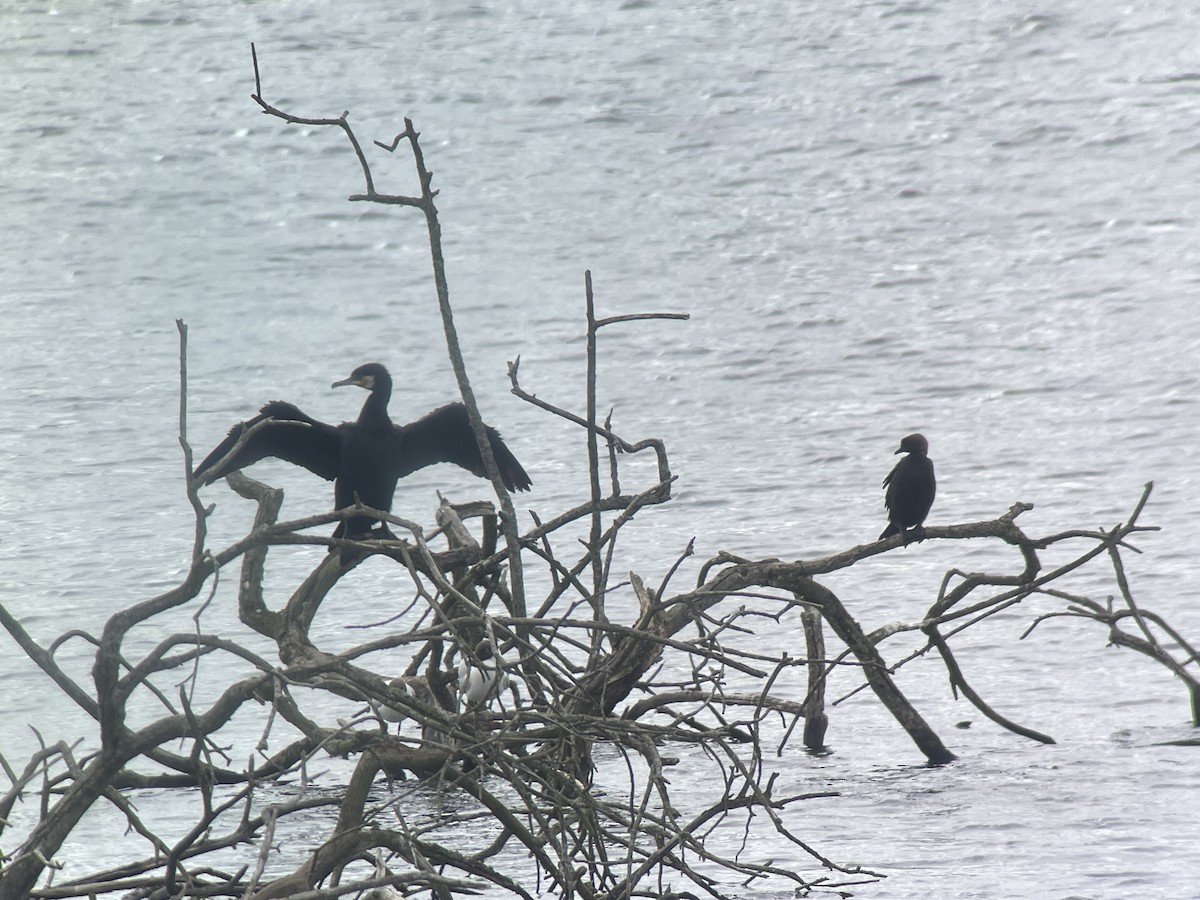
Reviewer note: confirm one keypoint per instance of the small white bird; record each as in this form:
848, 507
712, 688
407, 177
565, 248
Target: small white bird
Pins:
417, 687
381, 872
481, 679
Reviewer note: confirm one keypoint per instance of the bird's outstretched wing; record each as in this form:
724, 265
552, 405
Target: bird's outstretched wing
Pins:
445, 436
280, 430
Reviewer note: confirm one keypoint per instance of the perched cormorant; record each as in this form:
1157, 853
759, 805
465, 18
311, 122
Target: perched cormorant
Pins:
365, 458
910, 489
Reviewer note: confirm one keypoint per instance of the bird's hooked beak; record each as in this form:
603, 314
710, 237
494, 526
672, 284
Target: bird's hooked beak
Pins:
900, 450
366, 381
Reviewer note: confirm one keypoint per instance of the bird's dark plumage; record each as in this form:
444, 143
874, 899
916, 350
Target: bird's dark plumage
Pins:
910, 490
365, 458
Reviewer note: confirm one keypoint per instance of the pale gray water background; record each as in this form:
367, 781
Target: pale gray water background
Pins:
979, 221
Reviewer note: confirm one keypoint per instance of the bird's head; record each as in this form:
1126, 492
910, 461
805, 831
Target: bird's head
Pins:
914, 443
369, 376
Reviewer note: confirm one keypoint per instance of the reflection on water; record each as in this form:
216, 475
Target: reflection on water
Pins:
897, 217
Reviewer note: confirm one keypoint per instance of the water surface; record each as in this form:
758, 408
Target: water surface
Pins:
974, 222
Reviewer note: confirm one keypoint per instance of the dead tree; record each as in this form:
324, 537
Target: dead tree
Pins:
574, 775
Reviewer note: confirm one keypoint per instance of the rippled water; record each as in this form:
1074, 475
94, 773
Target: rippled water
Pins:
979, 222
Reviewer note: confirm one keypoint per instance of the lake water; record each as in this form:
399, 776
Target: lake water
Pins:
976, 221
